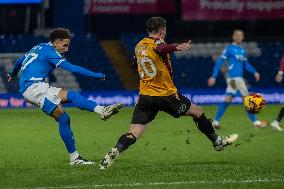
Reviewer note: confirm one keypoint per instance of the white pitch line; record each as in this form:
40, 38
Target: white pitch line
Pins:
157, 184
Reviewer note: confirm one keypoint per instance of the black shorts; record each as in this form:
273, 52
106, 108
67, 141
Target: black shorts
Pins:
148, 106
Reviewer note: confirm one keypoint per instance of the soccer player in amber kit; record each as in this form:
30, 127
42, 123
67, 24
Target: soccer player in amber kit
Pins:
158, 92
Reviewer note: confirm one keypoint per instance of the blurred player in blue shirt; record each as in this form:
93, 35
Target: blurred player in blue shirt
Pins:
36, 66
235, 56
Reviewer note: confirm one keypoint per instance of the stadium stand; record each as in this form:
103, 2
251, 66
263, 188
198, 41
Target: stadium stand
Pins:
85, 52
193, 68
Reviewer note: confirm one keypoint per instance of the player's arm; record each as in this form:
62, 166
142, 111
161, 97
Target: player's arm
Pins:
12, 75
77, 69
252, 70
219, 62
164, 48
55, 59
279, 76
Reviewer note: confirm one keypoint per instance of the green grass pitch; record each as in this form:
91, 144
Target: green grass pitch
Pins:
171, 154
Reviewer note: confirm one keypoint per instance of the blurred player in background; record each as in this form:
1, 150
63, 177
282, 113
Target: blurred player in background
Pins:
235, 56
36, 66
158, 92
279, 77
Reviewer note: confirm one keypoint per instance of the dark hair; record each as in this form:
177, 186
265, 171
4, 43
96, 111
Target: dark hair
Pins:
59, 33
154, 24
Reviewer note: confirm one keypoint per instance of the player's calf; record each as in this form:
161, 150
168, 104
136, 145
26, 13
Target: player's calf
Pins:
125, 141
206, 127
67, 136
203, 124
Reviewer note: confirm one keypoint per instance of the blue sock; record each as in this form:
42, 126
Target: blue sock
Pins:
80, 101
251, 116
66, 132
221, 110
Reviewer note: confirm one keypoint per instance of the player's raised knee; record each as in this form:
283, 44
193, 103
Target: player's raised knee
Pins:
64, 118
58, 112
195, 111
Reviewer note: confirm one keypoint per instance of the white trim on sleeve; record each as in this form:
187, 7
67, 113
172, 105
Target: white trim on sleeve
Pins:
59, 62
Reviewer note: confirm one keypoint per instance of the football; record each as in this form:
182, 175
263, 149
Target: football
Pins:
254, 103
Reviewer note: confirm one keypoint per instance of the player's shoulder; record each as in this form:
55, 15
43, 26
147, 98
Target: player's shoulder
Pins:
151, 41
142, 43
41, 47
243, 48
145, 40
50, 50
38, 49
226, 49
46, 46
230, 46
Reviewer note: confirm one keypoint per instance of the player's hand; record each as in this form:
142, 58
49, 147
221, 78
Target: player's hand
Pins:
279, 77
184, 46
256, 76
10, 78
211, 81
103, 77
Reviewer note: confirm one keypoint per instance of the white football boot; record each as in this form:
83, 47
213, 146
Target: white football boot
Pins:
81, 161
108, 111
225, 141
275, 125
260, 124
109, 158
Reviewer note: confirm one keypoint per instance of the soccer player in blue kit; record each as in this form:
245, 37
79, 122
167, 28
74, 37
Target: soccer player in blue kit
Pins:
235, 56
37, 65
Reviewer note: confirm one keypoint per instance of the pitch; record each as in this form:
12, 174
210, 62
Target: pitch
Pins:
171, 154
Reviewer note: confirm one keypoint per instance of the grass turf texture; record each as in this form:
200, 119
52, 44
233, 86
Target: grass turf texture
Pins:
171, 154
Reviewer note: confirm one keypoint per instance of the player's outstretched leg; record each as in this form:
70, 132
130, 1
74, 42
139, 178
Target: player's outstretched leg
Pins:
67, 136
104, 111
276, 123
221, 110
205, 126
126, 140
